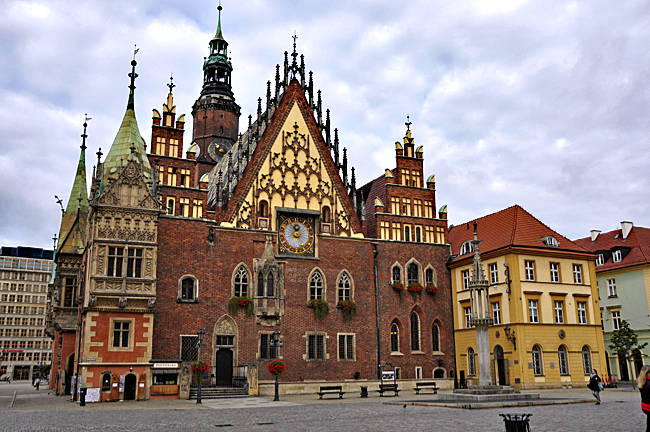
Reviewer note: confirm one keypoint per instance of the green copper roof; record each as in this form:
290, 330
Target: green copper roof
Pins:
218, 34
73, 222
127, 136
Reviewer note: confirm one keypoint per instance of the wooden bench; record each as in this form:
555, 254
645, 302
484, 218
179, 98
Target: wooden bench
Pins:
323, 390
388, 388
422, 385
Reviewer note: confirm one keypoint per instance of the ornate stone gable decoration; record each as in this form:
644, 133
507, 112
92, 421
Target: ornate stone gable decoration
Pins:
268, 289
129, 190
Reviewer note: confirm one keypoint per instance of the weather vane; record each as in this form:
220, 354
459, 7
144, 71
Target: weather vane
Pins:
171, 84
408, 123
135, 50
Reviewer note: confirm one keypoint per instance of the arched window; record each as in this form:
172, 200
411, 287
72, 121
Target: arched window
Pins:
394, 338
471, 362
435, 337
316, 285
412, 273
407, 233
344, 287
563, 360
269, 285
586, 360
241, 282
439, 373
263, 209
538, 368
260, 284
429, 278
418, 234
415, 332
188, 289
397, 274
325, 215
106, 382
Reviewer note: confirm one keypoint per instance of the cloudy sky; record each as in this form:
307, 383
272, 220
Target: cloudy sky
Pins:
544, 104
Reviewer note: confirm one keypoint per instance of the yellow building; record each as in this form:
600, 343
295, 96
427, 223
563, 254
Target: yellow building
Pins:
543, 300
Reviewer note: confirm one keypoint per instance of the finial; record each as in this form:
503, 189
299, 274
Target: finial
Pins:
475, 230
171, 84
59, 201
408, 123
84, 135
294, 37
54, 239
133, 76
99, 156
219, 8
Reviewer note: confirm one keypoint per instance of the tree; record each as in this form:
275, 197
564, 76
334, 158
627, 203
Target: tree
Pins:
624, 340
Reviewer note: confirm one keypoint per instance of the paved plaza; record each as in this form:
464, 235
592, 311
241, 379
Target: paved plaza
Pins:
38, 411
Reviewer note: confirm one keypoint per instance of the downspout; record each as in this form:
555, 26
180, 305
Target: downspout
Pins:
376, 283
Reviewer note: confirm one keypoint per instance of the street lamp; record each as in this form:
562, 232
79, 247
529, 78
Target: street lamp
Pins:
510, 335
198, 393
275, 344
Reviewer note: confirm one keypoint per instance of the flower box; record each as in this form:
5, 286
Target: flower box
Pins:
236, 303
319, 306
348, 307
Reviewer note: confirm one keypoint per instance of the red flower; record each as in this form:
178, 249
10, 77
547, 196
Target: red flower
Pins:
397, 286
415, 287
276, 367
431, 289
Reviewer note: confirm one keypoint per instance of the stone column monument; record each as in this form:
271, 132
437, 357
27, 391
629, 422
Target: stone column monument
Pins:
481, 318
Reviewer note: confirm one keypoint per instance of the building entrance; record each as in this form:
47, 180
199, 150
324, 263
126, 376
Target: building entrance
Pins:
129, 387
501, 365
223, 365
69, 372
622, 368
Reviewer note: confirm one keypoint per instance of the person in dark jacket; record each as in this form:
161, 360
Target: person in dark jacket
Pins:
594, 385
644, 387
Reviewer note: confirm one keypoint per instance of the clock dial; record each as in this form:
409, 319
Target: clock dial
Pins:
296, 234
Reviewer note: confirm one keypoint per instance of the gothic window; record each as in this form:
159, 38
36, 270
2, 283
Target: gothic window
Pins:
269, 285
407, 233
563, 360
316, 286
170, 206
435, 337
325, 215
394, 338
396, 274
412, 273
586, 360
344, 287
260, 284
415, 332
471, 362
264, 209
188, 289
241, 282
537, 361
418, 234
106, 382
429, 277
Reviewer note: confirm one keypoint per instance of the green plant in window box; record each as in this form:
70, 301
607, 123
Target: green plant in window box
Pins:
415, 289
348, 307
430, 289
319, 306
235, 303
399, 288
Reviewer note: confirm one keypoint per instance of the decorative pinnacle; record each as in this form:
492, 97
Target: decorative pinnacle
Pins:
84, 135
408, 123
133, 76
171, 84
59, 201
54, 239
99, 156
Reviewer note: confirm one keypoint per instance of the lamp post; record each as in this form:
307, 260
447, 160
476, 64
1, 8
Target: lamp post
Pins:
275, 344
198, 393
510, 335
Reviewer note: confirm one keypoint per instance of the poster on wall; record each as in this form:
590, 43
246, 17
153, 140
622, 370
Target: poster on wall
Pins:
92, 395
122, 377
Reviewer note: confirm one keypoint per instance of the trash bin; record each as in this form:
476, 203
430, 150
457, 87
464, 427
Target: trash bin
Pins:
364, 392
82, 396
516, 422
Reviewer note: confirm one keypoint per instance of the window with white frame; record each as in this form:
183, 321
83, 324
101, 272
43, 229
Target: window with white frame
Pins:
555, 272
415, 332
268, 350
494, 273
617, 256
435, 337
468, 317
563, 360
346, 347
394, 338
187, 289
611, 287
529, 268
316, 286
582, 312
538, 368
465, 274
344, 290
558, 307
577, 274
471, 362
418, 372
533, 311
241, 282
496, 313
396, 274
465, 248
616, 320
600, 260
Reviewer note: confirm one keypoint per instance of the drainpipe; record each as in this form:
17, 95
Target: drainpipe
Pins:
376, 283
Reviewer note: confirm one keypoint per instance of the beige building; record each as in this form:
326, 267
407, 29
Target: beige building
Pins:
24, 276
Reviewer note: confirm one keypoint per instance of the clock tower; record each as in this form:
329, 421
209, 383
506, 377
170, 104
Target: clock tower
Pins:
215, 112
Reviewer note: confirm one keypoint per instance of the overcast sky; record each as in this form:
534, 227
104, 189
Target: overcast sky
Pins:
544, 104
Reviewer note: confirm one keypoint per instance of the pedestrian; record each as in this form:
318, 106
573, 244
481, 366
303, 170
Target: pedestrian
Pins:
644, 387
594, 385
38, 382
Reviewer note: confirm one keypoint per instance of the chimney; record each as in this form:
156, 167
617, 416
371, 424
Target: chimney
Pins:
626, 227
594, 235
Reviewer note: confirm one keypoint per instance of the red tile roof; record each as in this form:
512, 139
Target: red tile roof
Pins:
638, 240
512, 226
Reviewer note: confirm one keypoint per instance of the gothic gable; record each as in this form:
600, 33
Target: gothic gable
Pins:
292, 168
129, 190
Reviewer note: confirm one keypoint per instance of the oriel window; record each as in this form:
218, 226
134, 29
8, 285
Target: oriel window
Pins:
115, 259
134, 263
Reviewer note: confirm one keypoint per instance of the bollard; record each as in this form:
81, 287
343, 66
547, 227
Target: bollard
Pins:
82, 396
364, 392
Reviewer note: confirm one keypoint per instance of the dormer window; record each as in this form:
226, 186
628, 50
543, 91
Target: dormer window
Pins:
617, 256
466, 247
600, 260
550, 241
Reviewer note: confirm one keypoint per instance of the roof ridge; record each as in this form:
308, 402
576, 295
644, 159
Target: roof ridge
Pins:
483, 217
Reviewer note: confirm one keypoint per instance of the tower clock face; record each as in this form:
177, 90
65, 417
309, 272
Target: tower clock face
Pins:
296, 235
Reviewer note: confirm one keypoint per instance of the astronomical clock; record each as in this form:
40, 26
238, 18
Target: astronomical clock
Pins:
296, 234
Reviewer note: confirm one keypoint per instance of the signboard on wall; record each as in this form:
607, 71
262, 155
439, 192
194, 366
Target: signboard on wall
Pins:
122, 378
92, 394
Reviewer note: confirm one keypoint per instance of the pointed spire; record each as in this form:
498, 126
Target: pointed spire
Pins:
218, 34
311, 90
353, 182
345, 166
133, 76
336, 148
277, 82
328, 140
319, 112
268, 95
